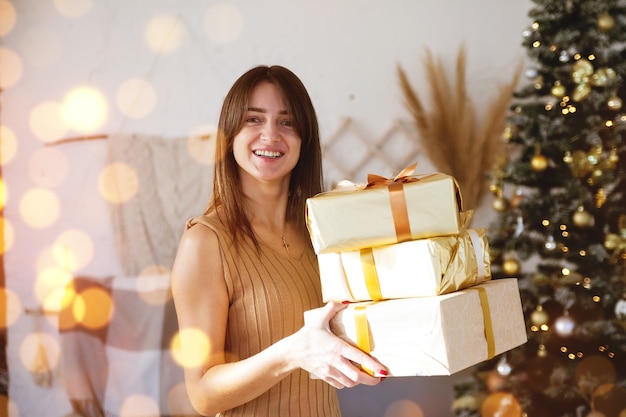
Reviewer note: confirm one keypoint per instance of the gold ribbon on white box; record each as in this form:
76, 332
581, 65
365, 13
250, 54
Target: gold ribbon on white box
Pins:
384, 211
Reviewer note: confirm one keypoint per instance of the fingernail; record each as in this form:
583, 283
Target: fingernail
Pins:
382, 372
345, 302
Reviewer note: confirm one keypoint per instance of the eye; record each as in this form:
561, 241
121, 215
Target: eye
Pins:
252, 119
287, 122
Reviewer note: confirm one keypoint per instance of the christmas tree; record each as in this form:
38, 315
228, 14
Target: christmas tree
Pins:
561, 221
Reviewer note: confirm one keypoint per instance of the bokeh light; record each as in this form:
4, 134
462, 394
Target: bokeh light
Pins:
11, 68
40, 207
40, 46
9, 236
196, 344
164, 33
48, 167
73, 8
50, 287
201, 144
153, 285
11, 306
136, 98
178, 401
118, 182
47, 122
3, 193
85, 109
139, 405
73, 249
93, 308
40, 352
223, 23
8, 17
404, 408
501, 404
8, 145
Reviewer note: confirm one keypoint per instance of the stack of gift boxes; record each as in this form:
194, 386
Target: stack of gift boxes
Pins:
416, 276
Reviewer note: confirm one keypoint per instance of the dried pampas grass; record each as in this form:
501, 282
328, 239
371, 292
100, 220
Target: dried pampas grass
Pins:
450, 134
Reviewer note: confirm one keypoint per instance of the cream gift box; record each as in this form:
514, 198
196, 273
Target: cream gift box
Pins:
384, 212
437, 335
416, 268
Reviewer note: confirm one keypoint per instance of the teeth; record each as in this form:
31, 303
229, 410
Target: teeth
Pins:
267, 154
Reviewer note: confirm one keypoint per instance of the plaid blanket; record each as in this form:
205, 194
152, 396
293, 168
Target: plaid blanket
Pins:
116, 334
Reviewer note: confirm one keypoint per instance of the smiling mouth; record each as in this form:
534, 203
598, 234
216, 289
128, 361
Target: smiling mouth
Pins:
268, 154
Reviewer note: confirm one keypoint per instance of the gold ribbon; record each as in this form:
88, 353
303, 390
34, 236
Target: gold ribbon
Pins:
370, 274
484, 304
397, 199
362, 332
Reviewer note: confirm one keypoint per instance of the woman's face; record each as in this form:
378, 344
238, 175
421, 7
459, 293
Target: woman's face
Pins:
267, 147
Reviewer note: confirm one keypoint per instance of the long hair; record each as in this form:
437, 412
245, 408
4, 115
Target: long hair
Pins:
306, 177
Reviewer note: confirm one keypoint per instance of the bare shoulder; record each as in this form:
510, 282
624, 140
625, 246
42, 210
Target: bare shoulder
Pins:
198, 257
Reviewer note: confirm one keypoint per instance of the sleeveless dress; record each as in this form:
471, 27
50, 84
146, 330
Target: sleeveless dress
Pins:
268, 292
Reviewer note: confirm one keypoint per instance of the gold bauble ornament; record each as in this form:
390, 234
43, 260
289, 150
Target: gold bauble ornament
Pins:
539, 316
539, 162
511, 267
606, 22
558, 90
582, 218
614, 103
500, 204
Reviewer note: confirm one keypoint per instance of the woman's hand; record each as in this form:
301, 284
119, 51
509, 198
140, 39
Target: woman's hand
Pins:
317, 350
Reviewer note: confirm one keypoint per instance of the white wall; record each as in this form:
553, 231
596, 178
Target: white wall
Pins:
345, 51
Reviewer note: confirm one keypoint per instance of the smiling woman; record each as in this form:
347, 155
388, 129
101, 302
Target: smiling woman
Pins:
163, 68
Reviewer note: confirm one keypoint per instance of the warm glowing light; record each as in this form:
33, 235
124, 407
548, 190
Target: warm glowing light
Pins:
7, 17
66, 319
223, 23
164, 33
201, 146
136, 98
153, 285
565, 271
11, 68
73, 249
85, 109
50, 285
46, 121
118, 182
40, 46
48, 167
190, 347
93, 308
40, 208
9, 236
545, 222
11, 306
139, 405
3, 193
73, 8
404, 408
8, 144
40, 352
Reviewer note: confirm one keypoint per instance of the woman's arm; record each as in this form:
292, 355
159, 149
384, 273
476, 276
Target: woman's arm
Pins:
201, 300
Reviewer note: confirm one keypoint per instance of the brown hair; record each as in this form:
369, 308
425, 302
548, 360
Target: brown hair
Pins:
306, 177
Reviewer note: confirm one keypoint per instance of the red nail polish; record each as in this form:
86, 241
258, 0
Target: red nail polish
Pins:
345, 302
383, 372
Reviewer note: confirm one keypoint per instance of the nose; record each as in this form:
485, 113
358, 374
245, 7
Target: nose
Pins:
270, 133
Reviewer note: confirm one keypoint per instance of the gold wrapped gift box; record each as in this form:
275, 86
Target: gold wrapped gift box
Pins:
437, 335
417, 268
383, 213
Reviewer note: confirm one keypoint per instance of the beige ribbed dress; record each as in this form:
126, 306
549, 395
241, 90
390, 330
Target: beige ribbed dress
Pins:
268, 293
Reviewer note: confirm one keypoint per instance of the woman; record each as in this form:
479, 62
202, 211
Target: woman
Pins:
245, 271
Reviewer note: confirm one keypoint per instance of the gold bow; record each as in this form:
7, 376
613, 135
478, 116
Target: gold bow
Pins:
404, 176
